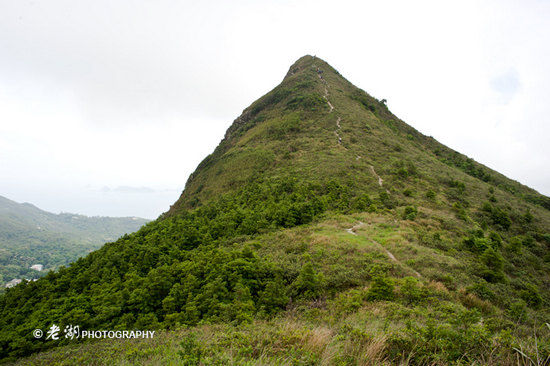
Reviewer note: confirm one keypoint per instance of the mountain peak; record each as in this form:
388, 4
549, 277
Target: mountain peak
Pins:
300, 64
305, 63
302, 70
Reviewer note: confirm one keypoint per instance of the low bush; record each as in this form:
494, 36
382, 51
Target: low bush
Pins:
382, 288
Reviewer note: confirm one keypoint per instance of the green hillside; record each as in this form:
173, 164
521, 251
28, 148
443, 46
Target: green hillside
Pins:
322, 230
31, 236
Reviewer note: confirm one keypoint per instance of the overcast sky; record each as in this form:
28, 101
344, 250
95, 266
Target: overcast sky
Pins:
106, 107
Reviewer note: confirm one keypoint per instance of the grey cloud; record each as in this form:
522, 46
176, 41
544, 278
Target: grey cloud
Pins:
123, 62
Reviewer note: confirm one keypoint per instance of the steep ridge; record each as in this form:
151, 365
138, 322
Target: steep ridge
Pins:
264, 243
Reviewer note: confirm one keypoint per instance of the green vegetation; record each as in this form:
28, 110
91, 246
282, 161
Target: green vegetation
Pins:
31, 236
292, 246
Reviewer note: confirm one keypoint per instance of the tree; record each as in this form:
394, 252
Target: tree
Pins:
273, 297
308, 282
242, 307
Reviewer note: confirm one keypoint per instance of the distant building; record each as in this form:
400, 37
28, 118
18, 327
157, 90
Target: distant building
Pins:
37, 267
15, 281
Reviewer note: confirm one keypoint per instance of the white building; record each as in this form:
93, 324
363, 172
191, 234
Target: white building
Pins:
13, 282
37, 267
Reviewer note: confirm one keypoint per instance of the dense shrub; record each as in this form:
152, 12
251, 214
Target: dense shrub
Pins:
495, 239
386, 200
366, 102
306, 102
515, 245
497, 215
518, 311
531, 295
476, 244
362, 202
458, 185
382, 288
494, 262
410, 213
411, 290
308, 284
430, 195
405, 170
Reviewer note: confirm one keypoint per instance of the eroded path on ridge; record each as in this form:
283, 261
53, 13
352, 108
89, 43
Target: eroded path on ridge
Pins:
319, 74
339, 119
352, 230
337, 132
380, 180
339, 126
328, 101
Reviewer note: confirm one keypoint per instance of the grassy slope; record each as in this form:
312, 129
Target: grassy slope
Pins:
458, 315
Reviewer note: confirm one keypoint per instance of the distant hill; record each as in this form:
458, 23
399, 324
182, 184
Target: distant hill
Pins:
322, 230
31, 236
